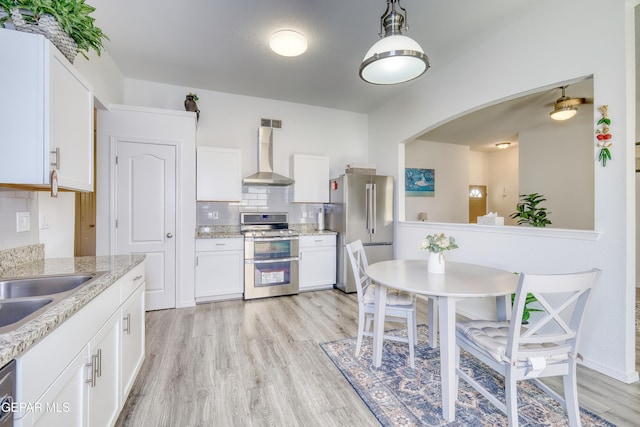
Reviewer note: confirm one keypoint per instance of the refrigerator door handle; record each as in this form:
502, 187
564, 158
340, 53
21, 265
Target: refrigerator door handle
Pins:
373, 210
369, 203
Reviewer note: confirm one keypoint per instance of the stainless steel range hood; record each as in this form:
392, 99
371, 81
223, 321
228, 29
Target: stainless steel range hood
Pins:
266, 175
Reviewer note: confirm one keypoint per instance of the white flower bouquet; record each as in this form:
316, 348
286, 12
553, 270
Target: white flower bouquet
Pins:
438, 243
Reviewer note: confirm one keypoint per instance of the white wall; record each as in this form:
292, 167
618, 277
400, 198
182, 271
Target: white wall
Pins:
105, 77
558, 161
58, 235
478, 168
503, 190
513, 60
232, 121
11, 202
451, 170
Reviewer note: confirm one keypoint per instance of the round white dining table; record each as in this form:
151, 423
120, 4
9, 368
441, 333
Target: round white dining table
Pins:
459, 281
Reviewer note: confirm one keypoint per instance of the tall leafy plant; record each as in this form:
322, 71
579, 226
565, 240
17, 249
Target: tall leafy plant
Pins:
529, 212
72, 15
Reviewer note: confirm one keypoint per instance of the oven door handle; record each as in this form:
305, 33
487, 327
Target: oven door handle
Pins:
270, 239
270, 261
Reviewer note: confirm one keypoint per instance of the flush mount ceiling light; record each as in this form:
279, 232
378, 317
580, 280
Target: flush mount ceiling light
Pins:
503, 145
288, 43
565, 107
394, 58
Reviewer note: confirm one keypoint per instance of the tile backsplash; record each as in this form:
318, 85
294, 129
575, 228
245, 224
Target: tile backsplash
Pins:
257, 199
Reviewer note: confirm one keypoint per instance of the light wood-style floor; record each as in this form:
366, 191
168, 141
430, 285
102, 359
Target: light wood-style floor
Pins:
258, 363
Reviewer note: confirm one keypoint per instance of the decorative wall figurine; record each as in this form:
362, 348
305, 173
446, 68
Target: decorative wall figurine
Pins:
191, 105
603, 136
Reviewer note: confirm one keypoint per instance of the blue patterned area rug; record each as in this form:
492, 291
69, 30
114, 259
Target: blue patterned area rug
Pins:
400, 396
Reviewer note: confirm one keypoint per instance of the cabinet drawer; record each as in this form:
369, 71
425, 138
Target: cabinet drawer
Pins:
130, 281
231, 244
319, 240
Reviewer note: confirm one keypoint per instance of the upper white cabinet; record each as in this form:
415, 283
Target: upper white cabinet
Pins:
219, 174
311, 175
48, 115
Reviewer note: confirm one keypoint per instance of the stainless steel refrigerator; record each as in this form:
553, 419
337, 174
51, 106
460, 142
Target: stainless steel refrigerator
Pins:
360, 207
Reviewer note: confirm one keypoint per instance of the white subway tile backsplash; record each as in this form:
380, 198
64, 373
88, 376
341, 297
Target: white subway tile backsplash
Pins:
257, 199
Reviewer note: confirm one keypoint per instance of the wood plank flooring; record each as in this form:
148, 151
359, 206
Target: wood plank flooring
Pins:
258, 363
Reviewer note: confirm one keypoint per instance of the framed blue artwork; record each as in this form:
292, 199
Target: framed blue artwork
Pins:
419, 182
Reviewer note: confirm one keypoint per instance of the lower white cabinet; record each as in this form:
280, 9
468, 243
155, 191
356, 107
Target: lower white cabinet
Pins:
75, 375
103, 393
219, 269
317, 262
132, 340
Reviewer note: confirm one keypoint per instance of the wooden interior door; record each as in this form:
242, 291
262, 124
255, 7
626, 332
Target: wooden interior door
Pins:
85, 221
477, 202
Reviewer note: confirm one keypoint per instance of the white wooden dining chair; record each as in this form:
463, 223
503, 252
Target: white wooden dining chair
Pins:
401, 306
546, 346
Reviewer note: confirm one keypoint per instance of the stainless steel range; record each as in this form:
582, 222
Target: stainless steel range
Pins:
270, 255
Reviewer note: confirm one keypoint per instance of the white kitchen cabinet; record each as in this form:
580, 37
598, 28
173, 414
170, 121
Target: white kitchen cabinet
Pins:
49, 111
219, 269
60, 404
311, 175
103, 393
218, 174
73, 375
132, 340
317, 262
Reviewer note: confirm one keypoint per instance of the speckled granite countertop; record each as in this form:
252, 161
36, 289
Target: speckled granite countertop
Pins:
16, 342
316, 232
231, 231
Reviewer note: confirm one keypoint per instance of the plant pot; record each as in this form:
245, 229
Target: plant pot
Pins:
47, 26
436, 263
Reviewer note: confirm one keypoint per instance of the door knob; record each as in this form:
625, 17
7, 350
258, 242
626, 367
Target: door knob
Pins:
169, 235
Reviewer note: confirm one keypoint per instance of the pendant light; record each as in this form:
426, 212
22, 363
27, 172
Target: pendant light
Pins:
394, 58
565, 107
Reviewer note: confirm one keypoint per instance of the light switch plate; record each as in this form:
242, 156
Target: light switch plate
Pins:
23, 222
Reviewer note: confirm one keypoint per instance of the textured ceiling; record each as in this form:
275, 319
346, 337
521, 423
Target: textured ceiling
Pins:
223, 46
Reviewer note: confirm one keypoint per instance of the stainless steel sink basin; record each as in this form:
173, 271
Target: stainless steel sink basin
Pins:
22, 299
17, 310
39, 286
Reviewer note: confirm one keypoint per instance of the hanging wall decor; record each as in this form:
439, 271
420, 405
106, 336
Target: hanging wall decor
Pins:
603, 136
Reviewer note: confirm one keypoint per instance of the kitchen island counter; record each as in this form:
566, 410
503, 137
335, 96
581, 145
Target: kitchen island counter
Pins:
16, 342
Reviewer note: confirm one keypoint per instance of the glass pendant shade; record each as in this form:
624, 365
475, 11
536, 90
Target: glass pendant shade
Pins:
563, 113
394, 59
565, 107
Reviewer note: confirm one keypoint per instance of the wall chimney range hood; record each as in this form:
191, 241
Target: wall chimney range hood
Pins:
265, 174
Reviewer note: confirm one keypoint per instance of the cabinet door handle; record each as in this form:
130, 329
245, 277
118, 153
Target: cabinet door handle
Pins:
127, 328
99, 367
92, 365
135, 279
56, 152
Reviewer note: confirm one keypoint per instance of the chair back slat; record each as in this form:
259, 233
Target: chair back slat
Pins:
359, 264
561, 301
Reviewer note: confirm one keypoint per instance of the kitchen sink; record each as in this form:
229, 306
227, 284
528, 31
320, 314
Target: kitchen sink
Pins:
17, 310
22, 299
39, 286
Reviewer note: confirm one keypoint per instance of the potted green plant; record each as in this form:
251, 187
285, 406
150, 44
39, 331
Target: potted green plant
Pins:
526, 313
528, 211
73, 16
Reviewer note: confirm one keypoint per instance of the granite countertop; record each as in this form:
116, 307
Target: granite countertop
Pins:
233, 231
13, 343
317, 232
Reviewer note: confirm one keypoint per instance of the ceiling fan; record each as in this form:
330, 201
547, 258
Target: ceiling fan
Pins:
565, 107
